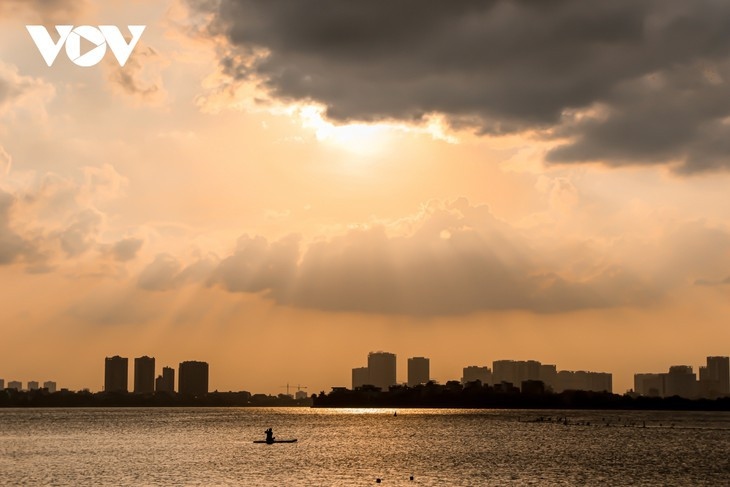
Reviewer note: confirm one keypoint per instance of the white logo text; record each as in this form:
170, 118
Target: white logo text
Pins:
100, 37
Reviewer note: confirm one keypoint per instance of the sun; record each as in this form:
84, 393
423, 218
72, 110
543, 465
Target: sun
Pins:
356, 138
370, 139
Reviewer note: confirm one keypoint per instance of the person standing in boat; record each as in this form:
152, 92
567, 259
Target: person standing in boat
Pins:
269, 435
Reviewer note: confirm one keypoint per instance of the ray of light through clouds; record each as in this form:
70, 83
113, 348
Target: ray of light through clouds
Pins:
468, 181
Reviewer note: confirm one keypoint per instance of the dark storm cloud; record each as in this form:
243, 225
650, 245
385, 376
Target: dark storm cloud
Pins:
653, 71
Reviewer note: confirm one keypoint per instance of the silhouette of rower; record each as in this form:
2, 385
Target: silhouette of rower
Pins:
269, 435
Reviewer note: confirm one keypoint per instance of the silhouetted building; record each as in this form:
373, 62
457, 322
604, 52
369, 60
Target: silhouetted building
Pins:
14, 384
116, 374
529, 370
566, 381
584, 381
715, 378
681, 381
381, 369
504, 371
706, 387
300, 395
515, 371
475, 373
549, 376
33, 385
166, 381
650, 385
360, 377
419, 371
2, 384
50, 386
144, 375
193, 378
719, 369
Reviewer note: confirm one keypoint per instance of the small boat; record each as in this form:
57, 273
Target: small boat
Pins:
275, 441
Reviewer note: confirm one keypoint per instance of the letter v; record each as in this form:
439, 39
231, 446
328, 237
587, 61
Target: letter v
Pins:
45, 44
116, 41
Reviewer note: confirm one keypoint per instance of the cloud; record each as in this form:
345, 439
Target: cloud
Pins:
141, 77
621, 82
161, 274
126, 249
259, 265
6, 162
676, 115
709, 282
102, 183
48, 221
81, 232
12, 245
18, 91
46, 11
166, 272
458, 259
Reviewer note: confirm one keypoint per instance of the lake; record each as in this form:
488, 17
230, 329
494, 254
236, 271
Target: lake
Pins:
344, 447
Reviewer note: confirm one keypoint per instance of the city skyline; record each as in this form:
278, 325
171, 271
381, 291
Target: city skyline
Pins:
709, 381
299, 186
381, 372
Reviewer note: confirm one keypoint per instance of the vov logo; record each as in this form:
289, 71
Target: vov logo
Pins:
101, 37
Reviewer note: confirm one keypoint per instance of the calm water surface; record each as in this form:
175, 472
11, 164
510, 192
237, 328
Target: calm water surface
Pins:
343, 447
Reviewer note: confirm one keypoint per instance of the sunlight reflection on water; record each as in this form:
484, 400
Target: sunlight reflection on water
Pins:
178, 446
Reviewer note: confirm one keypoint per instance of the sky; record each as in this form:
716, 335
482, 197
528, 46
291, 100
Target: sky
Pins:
280, 187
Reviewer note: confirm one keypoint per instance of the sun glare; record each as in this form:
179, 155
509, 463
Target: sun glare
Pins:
357, 138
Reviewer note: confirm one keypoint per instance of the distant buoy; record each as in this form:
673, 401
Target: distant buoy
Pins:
411, 477
377, 481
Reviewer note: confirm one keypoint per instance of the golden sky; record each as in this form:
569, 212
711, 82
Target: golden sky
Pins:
278, 189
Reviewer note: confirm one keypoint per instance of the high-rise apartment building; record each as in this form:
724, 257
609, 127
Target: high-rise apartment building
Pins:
33, 385
144, 375
475, 373
193, 378
116, 374
549, 376
515, 371
650, 385
381, 369
360, 377
680, 381
50, 386
419, 371
166, 381
718, 373
584, 381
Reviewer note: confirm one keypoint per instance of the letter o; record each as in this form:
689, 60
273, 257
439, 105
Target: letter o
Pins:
73, 46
